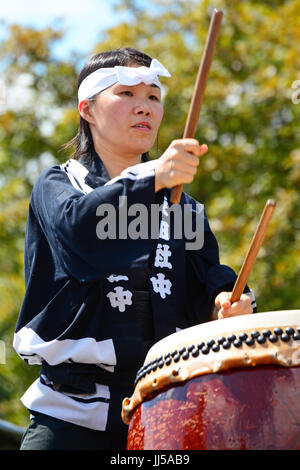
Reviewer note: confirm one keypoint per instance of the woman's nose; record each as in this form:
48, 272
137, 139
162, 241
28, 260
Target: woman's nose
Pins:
142, 109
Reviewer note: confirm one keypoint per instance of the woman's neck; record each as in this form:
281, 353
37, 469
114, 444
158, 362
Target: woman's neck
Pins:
114, 162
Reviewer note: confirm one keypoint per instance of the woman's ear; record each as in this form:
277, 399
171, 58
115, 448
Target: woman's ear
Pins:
84, 109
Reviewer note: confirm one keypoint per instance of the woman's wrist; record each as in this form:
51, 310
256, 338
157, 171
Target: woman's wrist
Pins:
158, 184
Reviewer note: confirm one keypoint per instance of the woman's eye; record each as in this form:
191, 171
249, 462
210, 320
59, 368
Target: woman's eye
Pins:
154, 98
127, 93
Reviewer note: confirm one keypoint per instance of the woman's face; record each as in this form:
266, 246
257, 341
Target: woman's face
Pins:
126, 118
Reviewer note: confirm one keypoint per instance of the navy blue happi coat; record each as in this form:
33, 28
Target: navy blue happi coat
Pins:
81, 315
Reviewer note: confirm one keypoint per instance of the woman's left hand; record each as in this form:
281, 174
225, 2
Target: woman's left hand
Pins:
224, 308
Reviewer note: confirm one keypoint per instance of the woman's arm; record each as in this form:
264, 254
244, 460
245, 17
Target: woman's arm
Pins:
69, 220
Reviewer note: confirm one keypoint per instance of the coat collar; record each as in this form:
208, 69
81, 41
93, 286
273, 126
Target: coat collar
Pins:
97, 172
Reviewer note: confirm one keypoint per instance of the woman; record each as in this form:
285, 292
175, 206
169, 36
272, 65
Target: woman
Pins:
94, 302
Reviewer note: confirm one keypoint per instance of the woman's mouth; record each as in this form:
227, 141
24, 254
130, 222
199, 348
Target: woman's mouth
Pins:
143, 126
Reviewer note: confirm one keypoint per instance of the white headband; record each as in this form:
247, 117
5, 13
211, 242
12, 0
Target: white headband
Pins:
106, 77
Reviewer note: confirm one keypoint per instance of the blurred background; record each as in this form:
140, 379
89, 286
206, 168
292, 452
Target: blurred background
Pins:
249, 120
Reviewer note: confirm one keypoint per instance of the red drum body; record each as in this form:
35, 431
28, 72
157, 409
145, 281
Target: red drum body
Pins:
241, 409
229, 384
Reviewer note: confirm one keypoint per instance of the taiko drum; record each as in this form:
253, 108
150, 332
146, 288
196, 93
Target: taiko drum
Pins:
227, 384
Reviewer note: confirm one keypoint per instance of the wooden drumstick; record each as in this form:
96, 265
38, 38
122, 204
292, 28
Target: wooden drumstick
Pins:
203, 71
253, 250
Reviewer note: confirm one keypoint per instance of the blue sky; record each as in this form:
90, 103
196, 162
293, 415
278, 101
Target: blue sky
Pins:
83, 19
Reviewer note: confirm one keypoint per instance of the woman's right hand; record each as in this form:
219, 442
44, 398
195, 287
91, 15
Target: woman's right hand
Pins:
178, 164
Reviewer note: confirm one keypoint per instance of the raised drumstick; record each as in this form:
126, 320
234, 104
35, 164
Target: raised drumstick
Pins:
203, 71
253, 250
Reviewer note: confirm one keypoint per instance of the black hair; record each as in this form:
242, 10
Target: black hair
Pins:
126, 56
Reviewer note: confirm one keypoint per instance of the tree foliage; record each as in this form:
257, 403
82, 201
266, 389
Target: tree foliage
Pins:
248, 120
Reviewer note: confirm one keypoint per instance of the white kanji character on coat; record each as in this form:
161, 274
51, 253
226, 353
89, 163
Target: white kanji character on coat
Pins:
164, 231
120, 298
161, 256
161, 285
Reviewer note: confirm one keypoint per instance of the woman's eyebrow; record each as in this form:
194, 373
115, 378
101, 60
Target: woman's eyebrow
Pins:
119, 86
152, 85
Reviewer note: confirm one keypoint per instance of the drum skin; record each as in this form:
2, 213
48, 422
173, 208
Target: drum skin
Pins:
255, 408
